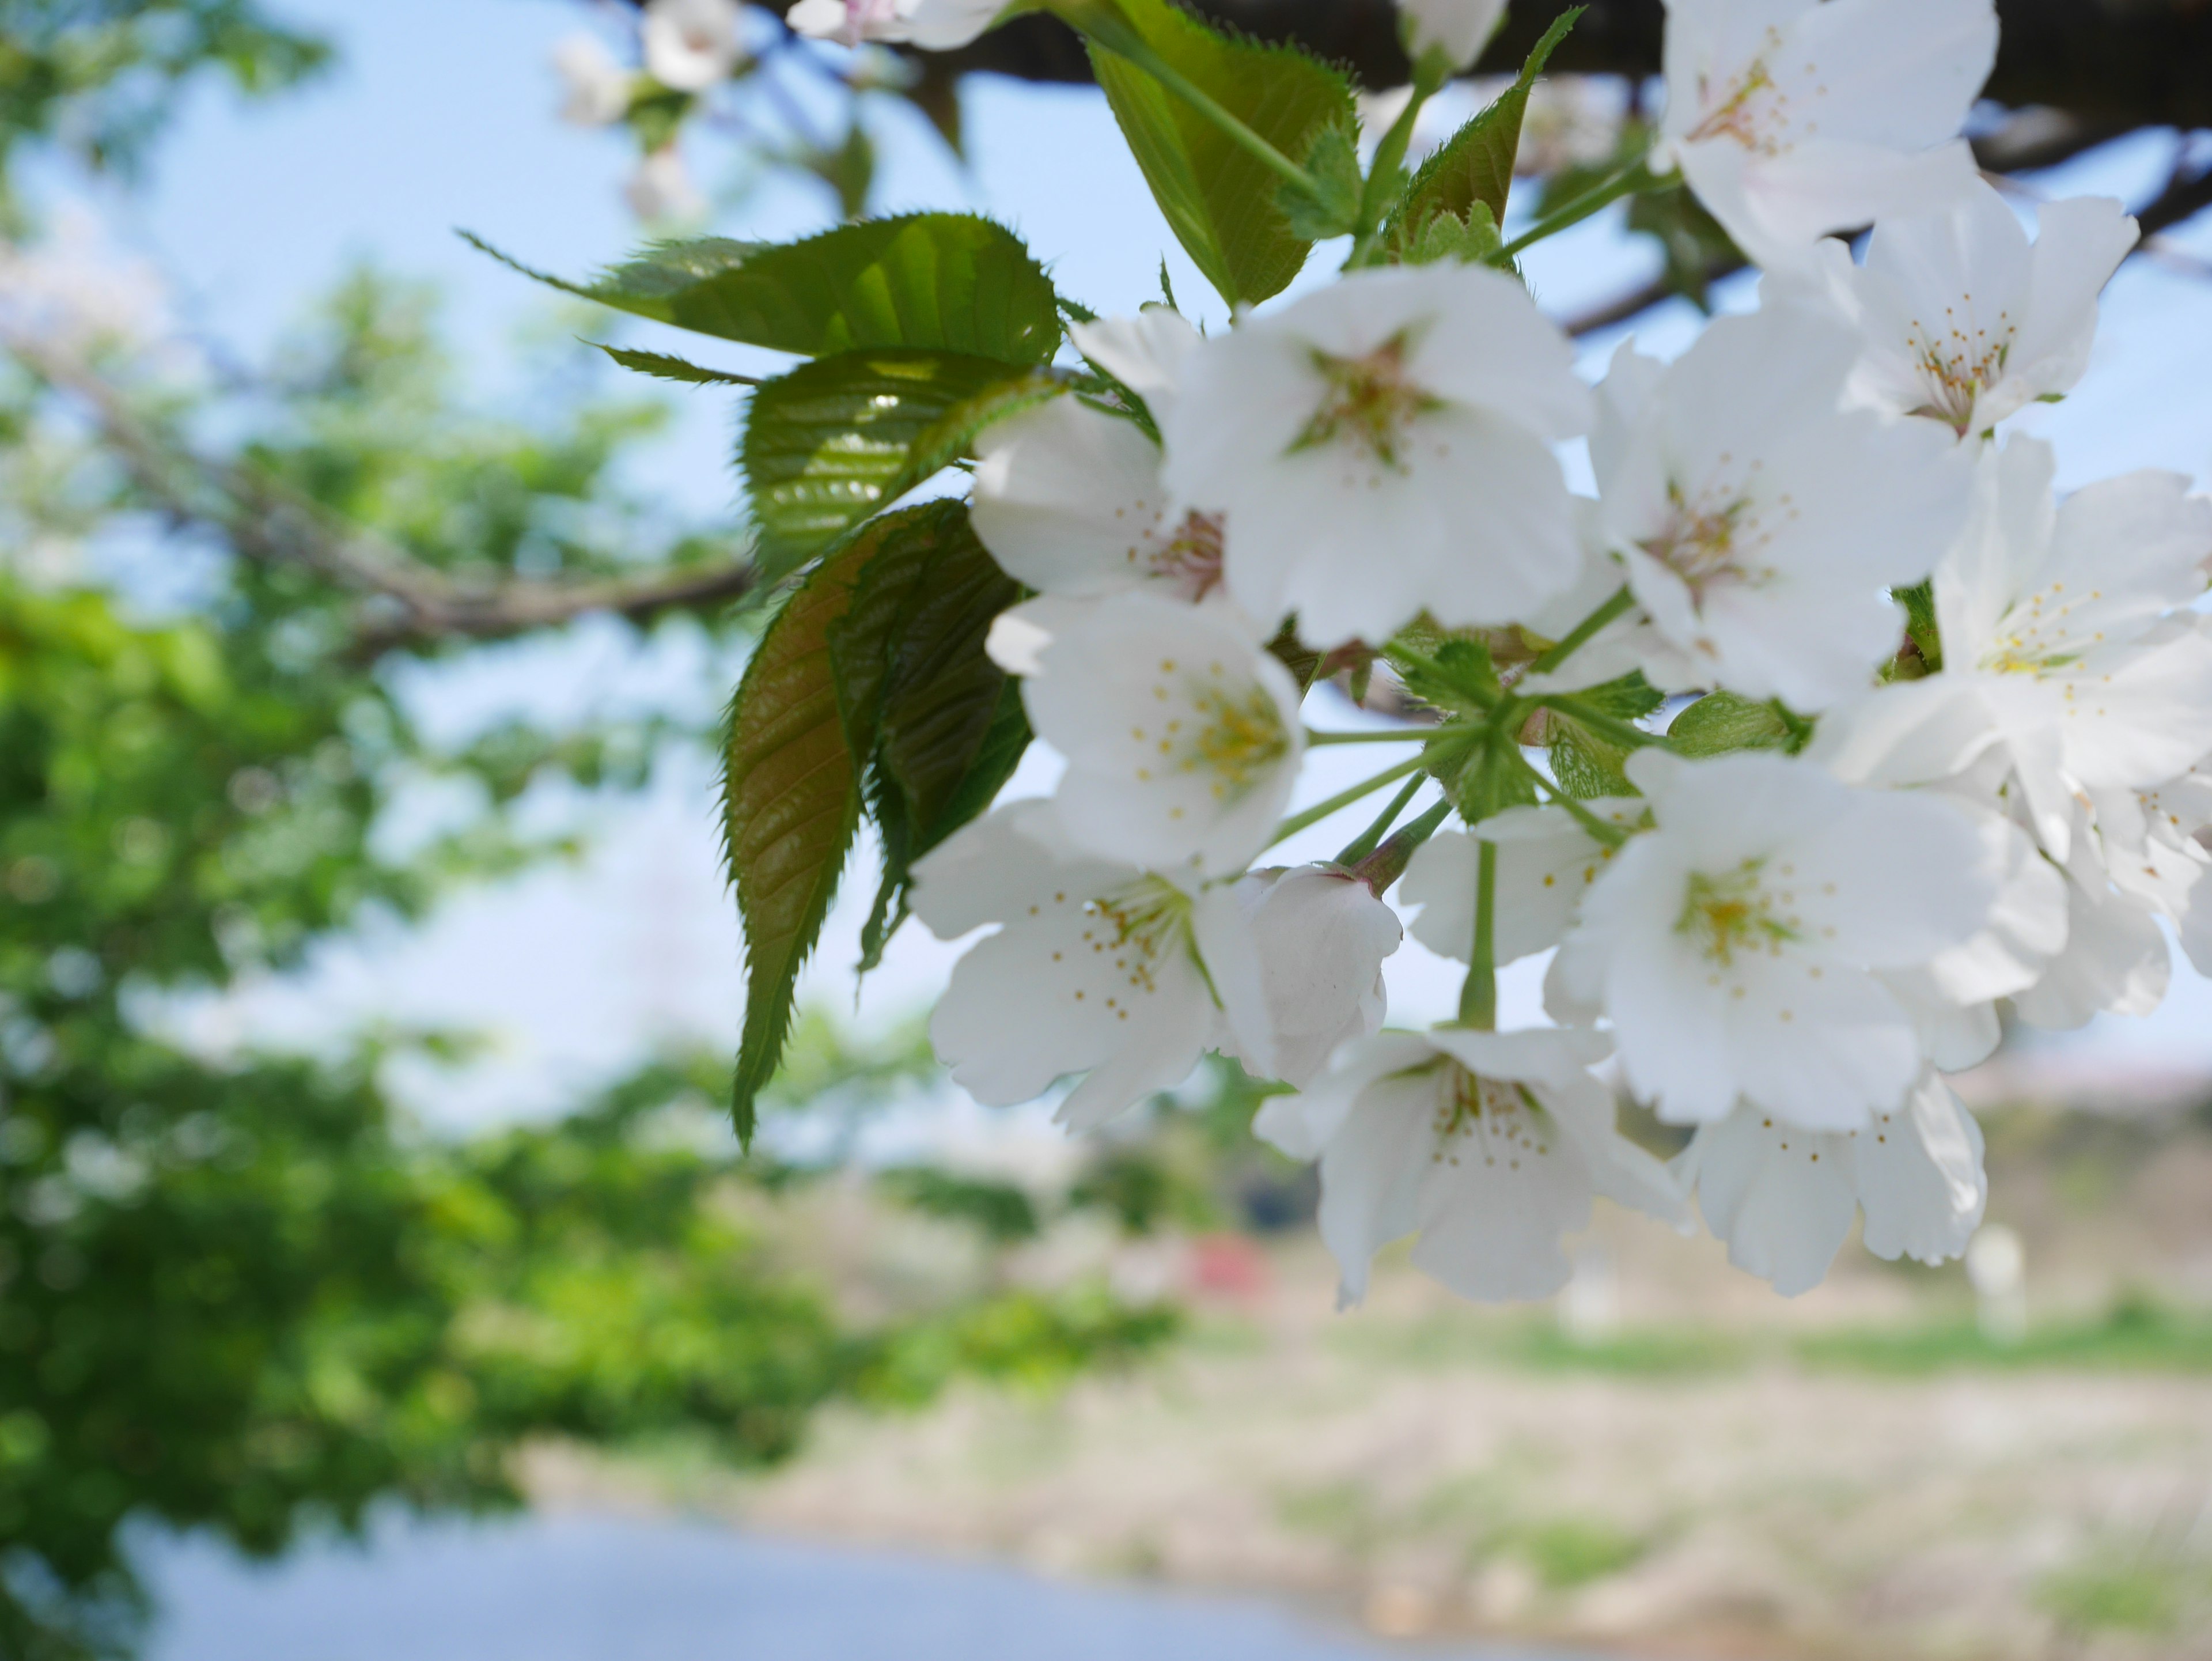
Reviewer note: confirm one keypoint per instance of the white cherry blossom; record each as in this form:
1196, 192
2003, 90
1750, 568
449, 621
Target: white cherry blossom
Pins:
1736, 946
660, 188
1146, 353
1458, 28
1783, 1197
931, 25
595, 89
1758, 522
2115, 960
1964, 320
1304, 976
1489, 1146
690, 45
2066, 655
1545, 863
1791, 118
1183, 737
1068, 499
1382, 447
1095, 968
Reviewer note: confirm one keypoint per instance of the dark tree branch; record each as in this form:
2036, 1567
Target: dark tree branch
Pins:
2120, 63
406, 600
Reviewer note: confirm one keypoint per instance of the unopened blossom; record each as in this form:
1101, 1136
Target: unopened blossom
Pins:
660, 188
1146, 353
595, 89
1962, 319
931, 25
1784, 1197
689, 44
2066, 650
1737, 947
1183, 737
1095, 967
1792, 118
1488, 1146
1304, 974
1545, 862
1459, 29
1068, 499
1757, 521
1383, 448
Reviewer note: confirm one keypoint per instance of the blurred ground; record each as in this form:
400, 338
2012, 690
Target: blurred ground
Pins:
1670, 1460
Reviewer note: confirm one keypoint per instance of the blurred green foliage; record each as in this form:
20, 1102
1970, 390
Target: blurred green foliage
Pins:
241, 1291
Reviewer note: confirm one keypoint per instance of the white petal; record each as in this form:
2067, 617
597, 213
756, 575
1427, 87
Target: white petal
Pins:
1920, 1178
1068, 499
1782, 1198
1145, 353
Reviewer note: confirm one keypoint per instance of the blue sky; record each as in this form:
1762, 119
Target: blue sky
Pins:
441, 116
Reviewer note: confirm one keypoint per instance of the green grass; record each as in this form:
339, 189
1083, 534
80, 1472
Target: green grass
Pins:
2144, 1597
2134, 1336
1573, 1551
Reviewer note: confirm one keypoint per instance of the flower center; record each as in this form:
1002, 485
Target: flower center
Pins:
1190, 561
1370, 402
1733, 912
1758, 122
1493, 1118
1240, 737
1705, 546
1955, 366
2037, 636
1148, 918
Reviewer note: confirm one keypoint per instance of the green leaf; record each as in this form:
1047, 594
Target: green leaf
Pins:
939, 725
1721, 721
1442, 236
1489, 778
1628, 698
664, 367
1220, 200
1475, 164
791, 803
950, 282
828, 444
1328, 203
1585, 764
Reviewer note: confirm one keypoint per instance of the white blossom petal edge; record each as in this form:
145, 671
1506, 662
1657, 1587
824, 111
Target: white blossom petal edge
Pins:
1490, 1145
1783, 1197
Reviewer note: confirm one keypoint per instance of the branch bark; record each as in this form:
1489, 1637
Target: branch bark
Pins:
2123, 63
264, 521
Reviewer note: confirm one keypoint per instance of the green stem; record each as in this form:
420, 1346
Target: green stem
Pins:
1387, 863
1612, 836
1364, 843
1628, 181
1577, 636
1322, 810
1382, 177
1477, 998
1102, 22
1412, 735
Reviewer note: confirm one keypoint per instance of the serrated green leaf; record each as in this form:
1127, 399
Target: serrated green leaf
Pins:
1220, 200
947, 282
1628, 698
828, 444
663, 367
940, 726
1475, 164
1584, 764
1442, 236
1490, 779
1722, 722
791, 803
1328, 203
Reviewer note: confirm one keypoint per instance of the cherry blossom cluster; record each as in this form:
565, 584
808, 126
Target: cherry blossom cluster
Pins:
1900, 735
